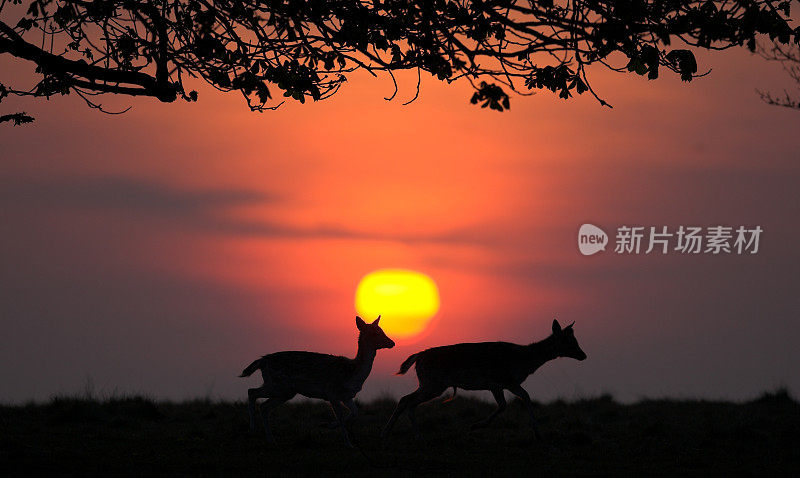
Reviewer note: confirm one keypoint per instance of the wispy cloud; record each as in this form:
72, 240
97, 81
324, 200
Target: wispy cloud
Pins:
207, 210
123, 194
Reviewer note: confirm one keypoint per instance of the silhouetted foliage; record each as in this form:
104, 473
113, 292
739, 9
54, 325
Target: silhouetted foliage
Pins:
307, 48
789, 58
16, 118
127, 436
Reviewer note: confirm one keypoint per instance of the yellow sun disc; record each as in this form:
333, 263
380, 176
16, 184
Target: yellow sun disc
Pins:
406, 300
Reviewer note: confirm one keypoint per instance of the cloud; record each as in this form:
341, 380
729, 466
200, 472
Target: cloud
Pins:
268, 229
199, 209
125, 194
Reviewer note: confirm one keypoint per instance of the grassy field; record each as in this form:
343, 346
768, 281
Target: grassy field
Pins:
136, 436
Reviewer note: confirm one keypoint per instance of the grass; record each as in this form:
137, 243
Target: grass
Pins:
139, 436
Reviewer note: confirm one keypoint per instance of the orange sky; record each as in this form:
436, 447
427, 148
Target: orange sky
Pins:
162, 250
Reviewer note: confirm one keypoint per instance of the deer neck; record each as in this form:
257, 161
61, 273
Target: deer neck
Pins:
365, 356
539, 353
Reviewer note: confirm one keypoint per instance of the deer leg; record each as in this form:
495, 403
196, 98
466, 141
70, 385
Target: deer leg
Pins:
341, 421
351, 405
501, 406
410, 402
398, 410
419, 397
334, 423
352, 413
267, 407
254, 394
526, 399
447, 400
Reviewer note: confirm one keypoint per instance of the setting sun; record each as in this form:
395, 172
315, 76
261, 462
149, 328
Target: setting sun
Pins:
406, 300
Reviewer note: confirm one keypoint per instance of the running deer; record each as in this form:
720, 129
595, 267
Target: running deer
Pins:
493, 366
328, 377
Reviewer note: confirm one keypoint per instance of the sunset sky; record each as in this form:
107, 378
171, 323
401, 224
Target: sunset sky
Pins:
162, 250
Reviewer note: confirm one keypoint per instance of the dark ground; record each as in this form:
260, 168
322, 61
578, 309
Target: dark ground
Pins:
136, 436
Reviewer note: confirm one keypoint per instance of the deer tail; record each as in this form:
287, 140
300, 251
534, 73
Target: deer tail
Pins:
408, 363
257, 364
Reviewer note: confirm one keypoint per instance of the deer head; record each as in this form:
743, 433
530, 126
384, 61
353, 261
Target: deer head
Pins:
566, 344
372, 336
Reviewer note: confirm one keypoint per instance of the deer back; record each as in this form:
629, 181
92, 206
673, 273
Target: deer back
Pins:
473, 366
312, 374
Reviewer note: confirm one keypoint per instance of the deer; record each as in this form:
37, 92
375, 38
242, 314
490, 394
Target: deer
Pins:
332, 378
492, 366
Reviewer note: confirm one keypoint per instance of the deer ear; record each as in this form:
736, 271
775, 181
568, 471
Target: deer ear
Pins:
377, 320
360, 323
556, 326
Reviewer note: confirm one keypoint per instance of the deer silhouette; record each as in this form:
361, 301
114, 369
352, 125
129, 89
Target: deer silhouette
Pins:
332, 378
493, 366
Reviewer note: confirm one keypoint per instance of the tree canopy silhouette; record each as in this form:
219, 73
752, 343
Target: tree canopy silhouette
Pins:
789, 58
304, 49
